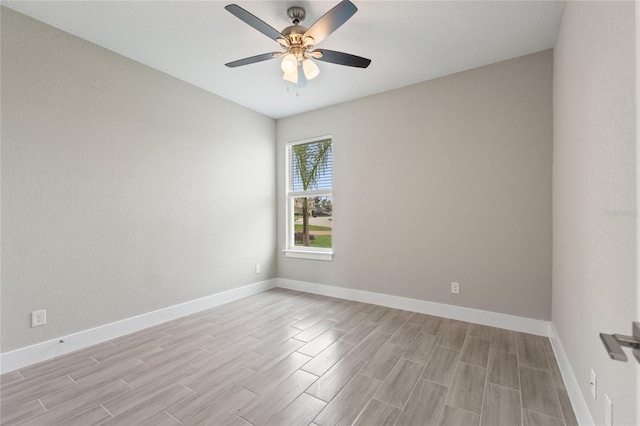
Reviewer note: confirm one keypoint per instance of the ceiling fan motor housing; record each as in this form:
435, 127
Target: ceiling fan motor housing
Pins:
294, 34
297, 14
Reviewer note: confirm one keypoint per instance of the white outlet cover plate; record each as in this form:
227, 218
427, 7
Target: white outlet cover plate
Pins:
38, 318
593, 384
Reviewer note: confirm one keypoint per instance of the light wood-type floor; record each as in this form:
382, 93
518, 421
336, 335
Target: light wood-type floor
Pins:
289, 358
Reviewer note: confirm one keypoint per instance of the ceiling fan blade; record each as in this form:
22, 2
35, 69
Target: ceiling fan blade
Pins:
331, 21
252, 59
302, 79
341, 58
254, 21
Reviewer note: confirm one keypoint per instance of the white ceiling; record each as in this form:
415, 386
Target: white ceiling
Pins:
407, 41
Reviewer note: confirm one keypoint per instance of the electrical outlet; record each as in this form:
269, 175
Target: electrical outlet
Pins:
608, 411
257, 269
593, 384
38, 318
455, 288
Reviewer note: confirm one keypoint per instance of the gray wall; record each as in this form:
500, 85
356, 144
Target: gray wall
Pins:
447, 180
123, 190
594, 216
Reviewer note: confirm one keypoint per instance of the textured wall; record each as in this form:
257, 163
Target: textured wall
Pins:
123, 190
594, 216
447, 180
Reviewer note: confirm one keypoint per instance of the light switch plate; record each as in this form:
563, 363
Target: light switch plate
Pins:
608, 411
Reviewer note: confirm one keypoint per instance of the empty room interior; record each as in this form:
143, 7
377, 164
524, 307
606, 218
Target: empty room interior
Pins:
168, 177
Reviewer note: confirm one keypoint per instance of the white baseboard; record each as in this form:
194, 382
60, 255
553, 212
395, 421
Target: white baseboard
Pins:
43, 351
493, 319
575, 395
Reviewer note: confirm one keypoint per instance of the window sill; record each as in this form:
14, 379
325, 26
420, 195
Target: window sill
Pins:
308, 254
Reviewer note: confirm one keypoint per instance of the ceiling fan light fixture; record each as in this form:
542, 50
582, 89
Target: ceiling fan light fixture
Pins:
308, 41
310, 69
291, 76
289, 64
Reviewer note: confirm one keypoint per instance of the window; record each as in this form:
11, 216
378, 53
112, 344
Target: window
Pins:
309, 199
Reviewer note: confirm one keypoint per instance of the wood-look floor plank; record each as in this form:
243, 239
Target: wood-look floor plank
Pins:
326, 359
418, 318
261, 383
63, 366
441, 366
555, 370
93, 416
168, 373
538, 392
208, 388
11, 414
531, 353
313, 359
501, 406
10, 377
397, 387
370, 345
181, 353
566, 408
376, 312
22, 395
72, 392
320, 343
421, 348
452, 416
315, 330
332, 382
223, 410
503, 340
383, 361
467, 388
378, 413
131, 353
275, 355
238, 421
228, 358
300, 412
151, 407
435, 325
424, 405
359, 332
503, 369
275, 338
135, 397
264, 409
347, 405
479, 330
309, 320
475, 351
405, 334
348, 323
533, 418
453, 337
393, 320
161, 419
81, 403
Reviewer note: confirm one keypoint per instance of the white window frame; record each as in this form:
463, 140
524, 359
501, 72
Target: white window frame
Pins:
291, 250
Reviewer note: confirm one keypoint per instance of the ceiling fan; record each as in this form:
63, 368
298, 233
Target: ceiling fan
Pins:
298, 42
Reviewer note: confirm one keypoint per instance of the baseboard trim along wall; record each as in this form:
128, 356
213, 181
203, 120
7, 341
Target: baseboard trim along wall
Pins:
43, 351
493, 319
575, 395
